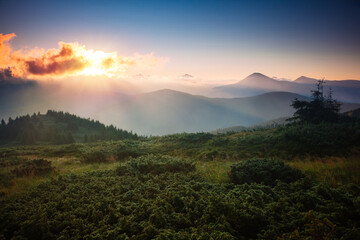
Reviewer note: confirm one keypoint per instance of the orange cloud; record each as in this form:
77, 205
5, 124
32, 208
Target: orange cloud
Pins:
54, 63
5, 48
70, 59
149, 60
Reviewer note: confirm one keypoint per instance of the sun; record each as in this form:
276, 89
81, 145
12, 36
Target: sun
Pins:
93, 72
99, 62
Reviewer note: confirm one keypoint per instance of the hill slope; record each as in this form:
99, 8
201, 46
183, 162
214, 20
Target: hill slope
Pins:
58, 128
167, 111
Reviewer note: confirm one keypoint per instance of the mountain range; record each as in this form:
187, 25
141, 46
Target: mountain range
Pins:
168, 111
257, 83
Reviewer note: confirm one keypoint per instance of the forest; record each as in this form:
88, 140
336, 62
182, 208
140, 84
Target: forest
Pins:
57, 128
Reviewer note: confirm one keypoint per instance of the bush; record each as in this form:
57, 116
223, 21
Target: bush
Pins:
34, 167
103, 205
96, 156
263, 171
124, 153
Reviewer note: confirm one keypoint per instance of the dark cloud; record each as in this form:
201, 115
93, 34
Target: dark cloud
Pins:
56, 62
5, 74
186, 76
39, 67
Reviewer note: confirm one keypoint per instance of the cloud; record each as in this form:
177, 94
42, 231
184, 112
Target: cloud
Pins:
55, 63
188, 79
5, 48
140, 76
149, 60
70, 59
186, 76
5, 74
282, 79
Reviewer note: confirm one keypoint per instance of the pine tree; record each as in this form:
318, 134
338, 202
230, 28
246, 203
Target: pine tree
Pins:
3, 123
319, 109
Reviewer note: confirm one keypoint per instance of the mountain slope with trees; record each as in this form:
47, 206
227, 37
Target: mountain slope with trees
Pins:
57, 128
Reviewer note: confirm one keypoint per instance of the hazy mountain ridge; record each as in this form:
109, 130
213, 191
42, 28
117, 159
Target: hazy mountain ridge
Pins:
164, 111
257, 83
340, 83
168, 111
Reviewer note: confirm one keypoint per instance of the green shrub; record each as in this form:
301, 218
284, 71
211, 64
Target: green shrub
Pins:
34, 167
124, 153
95, 156
180, 205
263, 171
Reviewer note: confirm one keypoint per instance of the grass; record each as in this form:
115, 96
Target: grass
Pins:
333, 170
215, 171
336, 171
63, 166
213, 154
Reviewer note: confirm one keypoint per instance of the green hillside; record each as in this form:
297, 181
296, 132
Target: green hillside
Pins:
57, 128
298, 181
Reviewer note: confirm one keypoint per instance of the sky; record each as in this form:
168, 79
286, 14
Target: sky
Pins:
193, 41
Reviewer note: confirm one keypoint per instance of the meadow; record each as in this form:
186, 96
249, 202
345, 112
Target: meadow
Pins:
187, 186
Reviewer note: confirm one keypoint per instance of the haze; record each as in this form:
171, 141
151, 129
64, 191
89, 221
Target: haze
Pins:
105, 60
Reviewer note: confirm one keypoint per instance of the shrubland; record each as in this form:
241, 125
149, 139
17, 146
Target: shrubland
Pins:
162, 197
298, 181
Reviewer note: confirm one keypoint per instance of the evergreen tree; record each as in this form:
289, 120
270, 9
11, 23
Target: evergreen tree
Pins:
10, 121
3, 124
319, 109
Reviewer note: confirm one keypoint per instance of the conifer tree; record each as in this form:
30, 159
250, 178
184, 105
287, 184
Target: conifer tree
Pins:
320, 109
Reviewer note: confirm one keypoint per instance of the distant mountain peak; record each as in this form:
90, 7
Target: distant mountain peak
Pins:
255, 79
304, 79
166, 92
256, 74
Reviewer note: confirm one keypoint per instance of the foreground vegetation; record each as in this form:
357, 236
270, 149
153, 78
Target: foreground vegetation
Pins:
187, 186
157, 197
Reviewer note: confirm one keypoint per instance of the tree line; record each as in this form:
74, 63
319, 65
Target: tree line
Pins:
58, 128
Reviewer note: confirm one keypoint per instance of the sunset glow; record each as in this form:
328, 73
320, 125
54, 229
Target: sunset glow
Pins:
70, 59
179, 119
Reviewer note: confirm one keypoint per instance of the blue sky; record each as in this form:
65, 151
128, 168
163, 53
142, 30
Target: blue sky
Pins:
208, 39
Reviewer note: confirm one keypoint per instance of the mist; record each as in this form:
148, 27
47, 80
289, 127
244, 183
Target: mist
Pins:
127, 106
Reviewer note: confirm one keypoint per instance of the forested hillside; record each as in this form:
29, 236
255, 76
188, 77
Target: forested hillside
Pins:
57, 128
